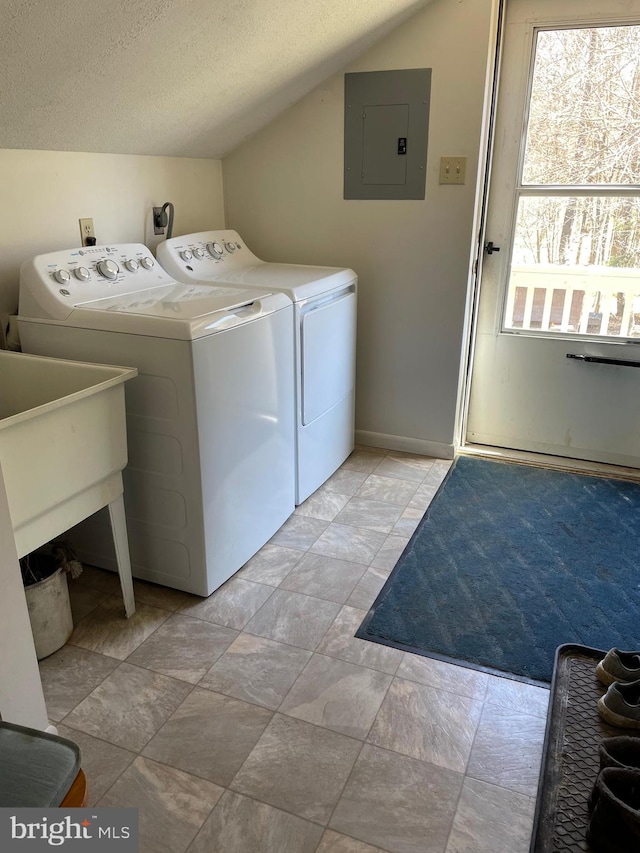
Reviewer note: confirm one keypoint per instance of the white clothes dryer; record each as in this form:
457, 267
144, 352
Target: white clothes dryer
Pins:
211, 473
325, 339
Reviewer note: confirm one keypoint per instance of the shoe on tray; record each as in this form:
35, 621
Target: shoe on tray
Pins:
618, 666
614, 826
620, 705
621, 751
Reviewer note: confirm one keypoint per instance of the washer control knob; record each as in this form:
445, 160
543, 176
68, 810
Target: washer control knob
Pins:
186, 255
109, 269
147, 263
198, 253
82, 274
215, 250
132, 265
62, 276
230, 247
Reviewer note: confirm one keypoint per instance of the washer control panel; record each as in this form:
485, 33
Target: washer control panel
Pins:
206, 254
71, 277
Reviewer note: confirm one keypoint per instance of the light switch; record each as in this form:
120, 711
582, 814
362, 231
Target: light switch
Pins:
453, 170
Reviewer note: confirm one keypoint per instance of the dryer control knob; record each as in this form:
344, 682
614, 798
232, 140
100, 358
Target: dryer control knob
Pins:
186, 255
198, 253
132, 265
215, 250
82, 274
147, 263
109, 269
230, 247
62, 276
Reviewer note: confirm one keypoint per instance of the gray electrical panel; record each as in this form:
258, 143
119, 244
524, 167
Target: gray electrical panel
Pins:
386, 127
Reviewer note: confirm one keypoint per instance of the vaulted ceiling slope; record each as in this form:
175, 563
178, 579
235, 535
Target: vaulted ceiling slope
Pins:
190, 78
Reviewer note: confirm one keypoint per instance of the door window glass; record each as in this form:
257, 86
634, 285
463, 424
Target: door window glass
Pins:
575, 265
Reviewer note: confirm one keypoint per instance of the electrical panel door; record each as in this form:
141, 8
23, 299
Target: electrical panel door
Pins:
386, 130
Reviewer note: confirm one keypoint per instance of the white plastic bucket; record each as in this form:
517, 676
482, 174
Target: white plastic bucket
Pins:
50, 613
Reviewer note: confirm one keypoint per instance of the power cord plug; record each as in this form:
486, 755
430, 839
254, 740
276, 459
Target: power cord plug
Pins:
161, 220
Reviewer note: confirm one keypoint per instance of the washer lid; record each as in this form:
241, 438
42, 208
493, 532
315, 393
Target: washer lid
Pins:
298, 281
176, 301
178, 311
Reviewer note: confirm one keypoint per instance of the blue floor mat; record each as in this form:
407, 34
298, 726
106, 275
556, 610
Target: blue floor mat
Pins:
509, 562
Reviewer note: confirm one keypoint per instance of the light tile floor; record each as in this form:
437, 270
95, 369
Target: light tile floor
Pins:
254, 722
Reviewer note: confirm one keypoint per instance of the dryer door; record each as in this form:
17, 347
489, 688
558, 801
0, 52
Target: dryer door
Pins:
328, 353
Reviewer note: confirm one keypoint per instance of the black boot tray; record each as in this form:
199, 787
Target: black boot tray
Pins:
570, 762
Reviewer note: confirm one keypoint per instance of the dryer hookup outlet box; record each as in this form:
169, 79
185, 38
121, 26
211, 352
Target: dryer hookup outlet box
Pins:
386, 127
160, 220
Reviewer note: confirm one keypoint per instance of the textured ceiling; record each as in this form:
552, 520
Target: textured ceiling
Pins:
191, 78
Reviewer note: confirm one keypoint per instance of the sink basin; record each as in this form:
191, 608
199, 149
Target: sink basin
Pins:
63, 442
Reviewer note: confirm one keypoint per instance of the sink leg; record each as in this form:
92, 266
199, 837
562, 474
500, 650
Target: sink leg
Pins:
119, 530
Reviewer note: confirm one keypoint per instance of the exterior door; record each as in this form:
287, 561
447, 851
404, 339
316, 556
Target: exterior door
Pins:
556, 365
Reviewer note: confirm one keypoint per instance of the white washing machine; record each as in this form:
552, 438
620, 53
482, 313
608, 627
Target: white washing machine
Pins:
325, 339
211, 473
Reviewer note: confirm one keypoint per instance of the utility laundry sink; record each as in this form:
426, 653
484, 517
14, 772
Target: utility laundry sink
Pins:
63, 446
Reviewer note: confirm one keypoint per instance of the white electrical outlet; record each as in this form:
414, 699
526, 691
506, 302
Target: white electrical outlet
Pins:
453, 170
86, 230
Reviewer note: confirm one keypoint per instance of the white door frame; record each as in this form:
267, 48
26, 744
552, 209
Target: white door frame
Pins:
496, 36
461, 446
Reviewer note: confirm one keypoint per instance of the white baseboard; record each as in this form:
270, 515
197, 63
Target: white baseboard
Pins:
419, 446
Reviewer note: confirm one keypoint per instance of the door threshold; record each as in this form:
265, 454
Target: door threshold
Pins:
542, 460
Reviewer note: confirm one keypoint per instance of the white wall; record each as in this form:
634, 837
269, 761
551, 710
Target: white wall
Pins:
44, 193
283, 193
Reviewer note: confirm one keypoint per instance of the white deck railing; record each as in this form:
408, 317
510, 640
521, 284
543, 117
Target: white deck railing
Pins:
554, 298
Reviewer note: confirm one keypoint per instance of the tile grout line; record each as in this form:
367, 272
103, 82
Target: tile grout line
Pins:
295, 565
344, 787
467, 775
455, 811
147, 742
315, 726
349, 663
402, 755
464, 774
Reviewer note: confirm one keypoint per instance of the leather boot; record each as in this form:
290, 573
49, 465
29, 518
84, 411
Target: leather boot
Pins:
622, 751
614, 826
